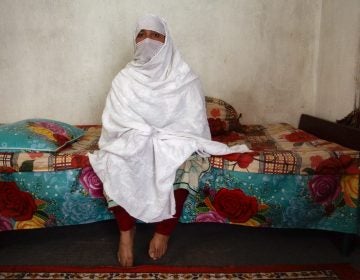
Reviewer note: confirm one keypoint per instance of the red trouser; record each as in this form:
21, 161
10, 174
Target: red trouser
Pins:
126, 222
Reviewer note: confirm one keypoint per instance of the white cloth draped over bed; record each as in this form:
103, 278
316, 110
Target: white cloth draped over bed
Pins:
154, 119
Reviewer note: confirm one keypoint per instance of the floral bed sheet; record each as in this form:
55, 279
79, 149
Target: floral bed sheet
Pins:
291, 179
71, 157
51, 189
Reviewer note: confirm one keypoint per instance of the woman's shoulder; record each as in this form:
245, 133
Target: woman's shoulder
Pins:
121, 77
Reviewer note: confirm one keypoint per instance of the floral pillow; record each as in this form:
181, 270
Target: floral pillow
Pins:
37, 135
222, 117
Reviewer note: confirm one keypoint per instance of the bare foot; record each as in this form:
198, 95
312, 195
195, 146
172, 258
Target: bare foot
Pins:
125, 253
158, 246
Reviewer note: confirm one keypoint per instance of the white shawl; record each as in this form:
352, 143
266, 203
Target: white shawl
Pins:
154, 119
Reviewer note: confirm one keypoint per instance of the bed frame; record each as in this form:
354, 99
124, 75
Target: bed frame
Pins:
344, 135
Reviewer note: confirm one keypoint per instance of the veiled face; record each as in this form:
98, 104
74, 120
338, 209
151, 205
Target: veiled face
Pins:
153, 35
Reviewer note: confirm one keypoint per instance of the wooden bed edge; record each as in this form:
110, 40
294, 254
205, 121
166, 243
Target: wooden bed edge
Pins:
344, 135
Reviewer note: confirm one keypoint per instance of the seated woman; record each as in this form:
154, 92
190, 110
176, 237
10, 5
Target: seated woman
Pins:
154, 120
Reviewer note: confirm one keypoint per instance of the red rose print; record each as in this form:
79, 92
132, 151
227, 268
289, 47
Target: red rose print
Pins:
352, 169
324, 189
217, 126
342, 165
315, 161
235, 205
35, 155
349, 164
300, 136
232, 136
329, 166
91, 182
245, 159
346, 160
215, 112
242, 159
14, 203
61, 139
79, 161
6, 169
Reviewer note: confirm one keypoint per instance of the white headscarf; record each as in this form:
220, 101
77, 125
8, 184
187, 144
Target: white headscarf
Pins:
148, 48
154, 119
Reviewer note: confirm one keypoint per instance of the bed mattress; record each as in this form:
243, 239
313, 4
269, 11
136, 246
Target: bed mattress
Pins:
291, 179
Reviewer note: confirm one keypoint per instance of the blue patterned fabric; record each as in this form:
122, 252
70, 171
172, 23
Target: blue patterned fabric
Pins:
269, 200
291, 180
37, 135
59, 197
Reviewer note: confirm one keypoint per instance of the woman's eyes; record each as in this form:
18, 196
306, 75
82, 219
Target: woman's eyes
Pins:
154, 35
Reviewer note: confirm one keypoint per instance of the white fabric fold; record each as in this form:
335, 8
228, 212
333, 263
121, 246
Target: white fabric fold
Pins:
150, 22
154, 119
146, 49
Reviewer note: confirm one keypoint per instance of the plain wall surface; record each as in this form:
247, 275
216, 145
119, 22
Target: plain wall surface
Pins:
269, 59
339, 54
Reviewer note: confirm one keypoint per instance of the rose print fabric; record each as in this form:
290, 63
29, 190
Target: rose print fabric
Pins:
291, 179
327, 202
71, 157
277, 148
15, 203
45, 199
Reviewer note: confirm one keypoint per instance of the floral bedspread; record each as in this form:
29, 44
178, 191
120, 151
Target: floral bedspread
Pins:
52, 189
282, 149
278, 149
327, 202
71, 157
291, 179
46, 199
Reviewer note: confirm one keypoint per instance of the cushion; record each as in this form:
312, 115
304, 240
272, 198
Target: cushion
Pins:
37, 135
222, 116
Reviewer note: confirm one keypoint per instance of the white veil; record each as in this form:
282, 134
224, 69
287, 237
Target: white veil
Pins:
154, 119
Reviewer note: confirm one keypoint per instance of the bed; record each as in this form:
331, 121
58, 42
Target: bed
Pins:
305, 177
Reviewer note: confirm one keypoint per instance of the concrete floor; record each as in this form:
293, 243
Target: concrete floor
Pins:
191, 244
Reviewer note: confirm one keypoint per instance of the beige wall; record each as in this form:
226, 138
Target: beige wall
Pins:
57, 58
338, 55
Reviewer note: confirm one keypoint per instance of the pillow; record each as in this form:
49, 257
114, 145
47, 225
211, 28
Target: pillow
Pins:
37, 135
222, 117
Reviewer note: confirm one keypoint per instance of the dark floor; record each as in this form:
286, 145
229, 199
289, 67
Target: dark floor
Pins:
191, 244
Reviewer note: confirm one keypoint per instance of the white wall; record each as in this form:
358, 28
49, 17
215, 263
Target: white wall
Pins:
338, 56
57, 58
